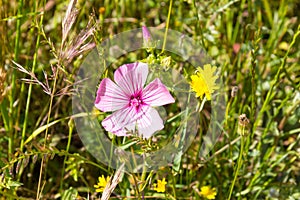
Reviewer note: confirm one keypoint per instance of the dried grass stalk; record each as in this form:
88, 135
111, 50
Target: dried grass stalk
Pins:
113, 184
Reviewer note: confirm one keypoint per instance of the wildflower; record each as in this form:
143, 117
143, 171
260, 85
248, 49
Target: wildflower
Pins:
160, 186
130, 103
102, 10
208, 192
203, 82
102, 182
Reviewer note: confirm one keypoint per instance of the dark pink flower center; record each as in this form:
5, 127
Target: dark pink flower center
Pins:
136, 101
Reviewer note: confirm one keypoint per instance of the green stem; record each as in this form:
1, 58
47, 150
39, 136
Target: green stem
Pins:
239, 164
227, 110
167, 26
174, 186
136, 186
147, 179
13, 83
37, 44
71, 126
143, 176
143, 183
50, 152
274, 83
46, 132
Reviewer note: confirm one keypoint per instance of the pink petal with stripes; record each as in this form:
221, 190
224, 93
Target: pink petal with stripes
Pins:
156, 94
110, 97
131, 77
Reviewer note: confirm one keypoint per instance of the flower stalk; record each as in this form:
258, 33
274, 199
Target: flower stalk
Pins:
243, 122
167, 26
237, 168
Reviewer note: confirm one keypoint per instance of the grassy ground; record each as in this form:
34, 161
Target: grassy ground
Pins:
255, 44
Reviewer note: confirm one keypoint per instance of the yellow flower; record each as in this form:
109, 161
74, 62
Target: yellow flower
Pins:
160, 186
208, 192
102, 182
203, 82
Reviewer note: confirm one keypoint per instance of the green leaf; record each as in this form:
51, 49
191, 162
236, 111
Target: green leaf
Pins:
177, 161
70, 193
40, 130
11, 183
129, 144
4, 113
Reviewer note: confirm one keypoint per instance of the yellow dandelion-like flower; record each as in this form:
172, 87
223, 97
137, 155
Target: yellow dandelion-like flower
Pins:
203, 82
102, 182
208, 192
160, 186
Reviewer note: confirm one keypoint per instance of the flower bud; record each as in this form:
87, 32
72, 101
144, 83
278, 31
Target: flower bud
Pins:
146, 36
234, 91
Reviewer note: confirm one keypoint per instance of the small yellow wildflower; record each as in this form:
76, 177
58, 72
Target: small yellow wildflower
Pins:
208, 192
203, 82
102, 10
102, 182
160, 186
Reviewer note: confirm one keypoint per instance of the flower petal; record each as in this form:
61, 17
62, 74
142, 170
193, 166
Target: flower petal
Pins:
131, 77
121, 121
110, 97
149, 122
156, 94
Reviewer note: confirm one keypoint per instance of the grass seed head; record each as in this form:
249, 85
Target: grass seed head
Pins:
2, 85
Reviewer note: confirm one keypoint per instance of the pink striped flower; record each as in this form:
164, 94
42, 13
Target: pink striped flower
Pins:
131, 103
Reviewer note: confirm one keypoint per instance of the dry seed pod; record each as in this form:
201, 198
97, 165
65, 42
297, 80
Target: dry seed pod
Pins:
26, 161
243, 120
45, 156
52, 156
18, 166
234, 91
34, 158
2, 178
243, 125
